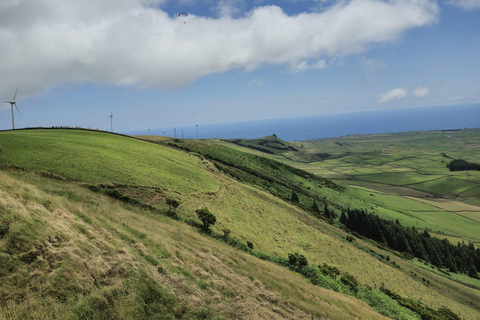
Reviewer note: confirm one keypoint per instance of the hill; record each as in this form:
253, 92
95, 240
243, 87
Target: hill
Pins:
87, 166
276, 146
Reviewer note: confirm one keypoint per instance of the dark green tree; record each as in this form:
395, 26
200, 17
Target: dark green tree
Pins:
472, 271
207, 218
294, 197
297, 260
172, 204
343, 217
315, 207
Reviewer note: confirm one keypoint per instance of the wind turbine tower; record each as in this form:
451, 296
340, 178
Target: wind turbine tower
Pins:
111, 121
14, 103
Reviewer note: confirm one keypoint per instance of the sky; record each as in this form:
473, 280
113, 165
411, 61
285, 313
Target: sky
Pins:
76, 62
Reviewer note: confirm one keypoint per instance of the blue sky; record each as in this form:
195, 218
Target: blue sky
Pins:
231, 60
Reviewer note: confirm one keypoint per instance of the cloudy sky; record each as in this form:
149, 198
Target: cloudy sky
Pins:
75, 62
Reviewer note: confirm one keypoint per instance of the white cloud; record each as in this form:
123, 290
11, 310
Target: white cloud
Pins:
322, 102
421, 91
228, 8
45, 43
304, 66
394, 94
465, 4
256, 83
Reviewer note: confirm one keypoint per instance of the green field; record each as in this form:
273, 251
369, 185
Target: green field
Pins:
394, 166
96, 158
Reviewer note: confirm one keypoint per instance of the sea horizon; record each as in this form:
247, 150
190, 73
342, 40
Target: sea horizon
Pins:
333, 125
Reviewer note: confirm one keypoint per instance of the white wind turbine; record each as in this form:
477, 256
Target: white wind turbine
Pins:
14, 103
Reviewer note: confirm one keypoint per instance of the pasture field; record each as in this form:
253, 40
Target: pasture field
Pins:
411, 168
100, 157
399, 178
448, 186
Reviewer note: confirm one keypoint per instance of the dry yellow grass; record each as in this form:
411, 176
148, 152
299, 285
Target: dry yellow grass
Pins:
79, 247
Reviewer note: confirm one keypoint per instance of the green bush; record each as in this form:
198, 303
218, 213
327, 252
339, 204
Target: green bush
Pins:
226, 234
172, 204
327, 270
297, 260
207, 218
350, 281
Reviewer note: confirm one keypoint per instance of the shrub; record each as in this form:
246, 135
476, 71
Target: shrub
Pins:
294, 196
94, 188
327, 270
172, 204
297, 260
172, 214
250, 245
350, 239
4, 228
226, 234
207, 218
350, 281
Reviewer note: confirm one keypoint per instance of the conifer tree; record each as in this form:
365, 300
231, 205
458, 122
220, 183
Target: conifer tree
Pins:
294, 197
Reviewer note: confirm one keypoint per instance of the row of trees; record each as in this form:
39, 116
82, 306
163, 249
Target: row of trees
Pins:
462, 165
460, 258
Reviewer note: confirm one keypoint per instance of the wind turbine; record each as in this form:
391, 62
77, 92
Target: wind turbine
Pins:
111, 122
14, 103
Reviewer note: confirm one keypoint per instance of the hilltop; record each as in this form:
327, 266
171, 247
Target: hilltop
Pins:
79, 198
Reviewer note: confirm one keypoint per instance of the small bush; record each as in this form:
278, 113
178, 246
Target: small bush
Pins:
297, 260
4, 228
226, 234
329, 271
172, 204
350, 281
350, 239
172, 214
208, 219
250, 245
94, 188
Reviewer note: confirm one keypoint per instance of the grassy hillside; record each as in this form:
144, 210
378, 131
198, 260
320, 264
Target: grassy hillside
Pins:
70, 253
274, 226
93, 157
274, 146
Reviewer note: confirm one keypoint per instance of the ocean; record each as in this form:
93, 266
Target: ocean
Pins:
336, 125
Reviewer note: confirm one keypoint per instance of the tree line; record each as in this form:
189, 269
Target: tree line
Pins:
460, 258
462, 165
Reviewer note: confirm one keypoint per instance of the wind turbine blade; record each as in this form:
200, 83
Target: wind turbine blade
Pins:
15, 95
18, 110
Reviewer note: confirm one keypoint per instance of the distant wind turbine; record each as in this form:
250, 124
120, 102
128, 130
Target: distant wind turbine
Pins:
111, 122
14, 103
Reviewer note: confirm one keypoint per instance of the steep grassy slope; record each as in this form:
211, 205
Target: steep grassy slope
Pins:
274, 226
69, 253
